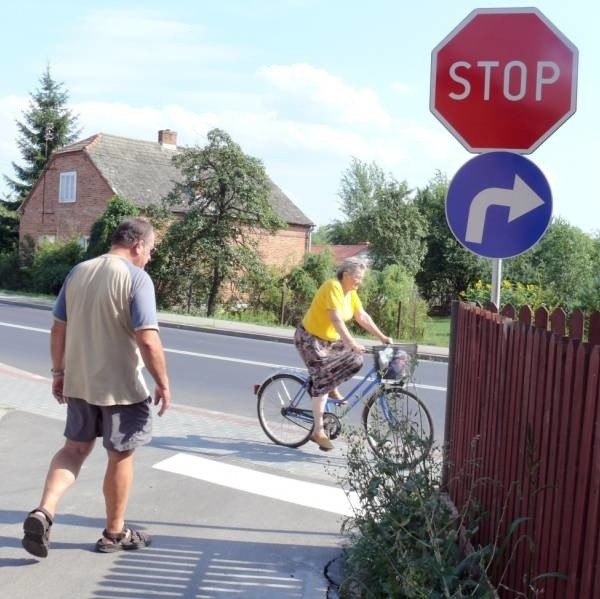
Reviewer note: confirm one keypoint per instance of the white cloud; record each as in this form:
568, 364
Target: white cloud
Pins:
326, 95
136, 50
403, 89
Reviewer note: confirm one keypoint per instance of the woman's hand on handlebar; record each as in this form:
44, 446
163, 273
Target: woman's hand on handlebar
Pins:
357, 348
386, 340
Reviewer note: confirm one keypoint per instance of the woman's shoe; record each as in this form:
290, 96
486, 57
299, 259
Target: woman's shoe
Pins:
336, 396
322, 441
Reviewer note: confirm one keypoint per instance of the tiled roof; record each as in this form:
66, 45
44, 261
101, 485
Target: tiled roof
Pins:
142, 172
341, 252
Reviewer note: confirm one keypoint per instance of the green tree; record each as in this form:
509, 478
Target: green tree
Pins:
397, 229
447, 268
321, 236
9, 226
359, 187
562, 261
47, 124
590, 292
379, 210
117, 209
178, 266
225, 194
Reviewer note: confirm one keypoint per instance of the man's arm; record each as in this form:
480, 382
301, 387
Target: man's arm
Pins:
153, 355
58, 335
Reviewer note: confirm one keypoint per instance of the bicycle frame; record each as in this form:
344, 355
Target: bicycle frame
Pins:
368, 382
357, 393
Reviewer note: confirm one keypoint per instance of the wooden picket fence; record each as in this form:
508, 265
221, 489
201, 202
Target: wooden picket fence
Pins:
523, 441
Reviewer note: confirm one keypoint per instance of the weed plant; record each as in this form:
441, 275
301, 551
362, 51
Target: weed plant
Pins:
405, 539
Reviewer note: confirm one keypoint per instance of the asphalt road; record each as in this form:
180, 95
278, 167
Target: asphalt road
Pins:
207, 370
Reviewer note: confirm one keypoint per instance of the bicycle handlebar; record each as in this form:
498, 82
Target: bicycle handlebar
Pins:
409, 348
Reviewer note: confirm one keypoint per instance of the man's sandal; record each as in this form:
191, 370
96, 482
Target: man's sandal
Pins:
126, 540
36, 529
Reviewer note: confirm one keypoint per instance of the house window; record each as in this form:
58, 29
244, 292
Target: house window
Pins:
68, 186
84, 241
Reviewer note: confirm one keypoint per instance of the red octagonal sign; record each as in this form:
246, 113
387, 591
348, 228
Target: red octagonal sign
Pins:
504, 79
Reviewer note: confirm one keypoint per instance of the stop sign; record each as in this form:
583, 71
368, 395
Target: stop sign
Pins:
504, 79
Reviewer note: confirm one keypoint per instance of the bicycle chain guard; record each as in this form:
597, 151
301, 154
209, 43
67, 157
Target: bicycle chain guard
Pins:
332, 425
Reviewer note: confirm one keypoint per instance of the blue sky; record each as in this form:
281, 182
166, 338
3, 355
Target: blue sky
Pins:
304, 85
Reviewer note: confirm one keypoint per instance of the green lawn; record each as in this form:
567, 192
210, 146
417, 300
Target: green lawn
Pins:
437, 331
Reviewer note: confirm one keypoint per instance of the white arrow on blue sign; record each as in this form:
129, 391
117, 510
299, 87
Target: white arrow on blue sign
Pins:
499, 205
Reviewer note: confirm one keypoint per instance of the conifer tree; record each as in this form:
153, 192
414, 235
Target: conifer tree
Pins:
47, 124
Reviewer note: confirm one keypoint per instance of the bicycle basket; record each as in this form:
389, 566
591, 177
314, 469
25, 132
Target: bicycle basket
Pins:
393, 363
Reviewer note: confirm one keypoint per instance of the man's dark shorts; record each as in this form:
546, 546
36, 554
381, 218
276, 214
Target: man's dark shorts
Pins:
122, 427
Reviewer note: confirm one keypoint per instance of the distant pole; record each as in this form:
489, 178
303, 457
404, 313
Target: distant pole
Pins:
282, 311
398, 320
496, 281
48, 136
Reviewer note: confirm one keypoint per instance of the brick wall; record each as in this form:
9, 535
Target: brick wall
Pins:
286, 248
44, 215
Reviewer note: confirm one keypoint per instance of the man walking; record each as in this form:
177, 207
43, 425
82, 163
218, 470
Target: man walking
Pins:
105, 329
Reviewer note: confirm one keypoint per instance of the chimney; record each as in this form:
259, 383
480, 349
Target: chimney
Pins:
167, 138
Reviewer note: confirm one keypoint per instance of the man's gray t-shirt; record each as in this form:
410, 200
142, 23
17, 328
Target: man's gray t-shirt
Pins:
104, 301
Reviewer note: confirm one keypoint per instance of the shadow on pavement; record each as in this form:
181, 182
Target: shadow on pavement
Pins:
178, 567
186, 568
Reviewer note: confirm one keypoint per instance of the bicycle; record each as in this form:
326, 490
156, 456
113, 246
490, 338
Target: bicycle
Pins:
397, 423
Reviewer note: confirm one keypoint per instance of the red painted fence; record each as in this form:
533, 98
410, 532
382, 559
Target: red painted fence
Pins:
523, 438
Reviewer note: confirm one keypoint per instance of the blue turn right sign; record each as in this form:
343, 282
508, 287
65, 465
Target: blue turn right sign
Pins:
498, 205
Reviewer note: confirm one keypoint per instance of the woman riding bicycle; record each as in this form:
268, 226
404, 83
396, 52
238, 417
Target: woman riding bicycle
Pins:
329, 351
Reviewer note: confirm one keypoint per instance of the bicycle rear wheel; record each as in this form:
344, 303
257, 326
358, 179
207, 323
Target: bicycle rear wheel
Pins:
398, 426
285, 410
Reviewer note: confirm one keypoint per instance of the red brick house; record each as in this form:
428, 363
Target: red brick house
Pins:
80, 179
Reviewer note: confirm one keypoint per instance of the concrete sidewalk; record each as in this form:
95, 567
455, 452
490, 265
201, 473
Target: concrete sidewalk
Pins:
209, 541
229, 327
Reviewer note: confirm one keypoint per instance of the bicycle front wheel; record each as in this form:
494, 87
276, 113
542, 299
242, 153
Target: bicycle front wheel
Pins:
285, 410
398, 426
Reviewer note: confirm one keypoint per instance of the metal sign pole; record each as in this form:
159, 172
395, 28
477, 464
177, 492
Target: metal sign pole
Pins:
496, 281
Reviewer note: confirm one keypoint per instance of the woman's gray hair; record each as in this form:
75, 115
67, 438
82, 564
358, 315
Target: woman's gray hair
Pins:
130, 231
352, 266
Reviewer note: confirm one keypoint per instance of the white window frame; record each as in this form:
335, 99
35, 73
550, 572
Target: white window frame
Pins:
67, 190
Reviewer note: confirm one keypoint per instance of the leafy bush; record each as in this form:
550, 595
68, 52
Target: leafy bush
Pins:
263, 288
9, 227
15, 271
404, 536
51, 264
11, 276
517, 294
390, 296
